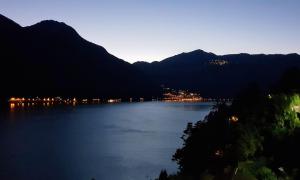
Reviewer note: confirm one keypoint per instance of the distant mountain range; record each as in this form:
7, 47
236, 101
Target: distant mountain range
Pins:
219, 76
51, 59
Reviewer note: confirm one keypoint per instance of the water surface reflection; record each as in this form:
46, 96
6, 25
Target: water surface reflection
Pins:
113, 141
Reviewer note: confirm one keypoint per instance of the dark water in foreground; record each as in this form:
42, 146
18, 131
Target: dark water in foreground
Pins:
106, 142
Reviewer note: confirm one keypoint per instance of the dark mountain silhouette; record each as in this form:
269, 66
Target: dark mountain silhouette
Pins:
218, 76
51, 59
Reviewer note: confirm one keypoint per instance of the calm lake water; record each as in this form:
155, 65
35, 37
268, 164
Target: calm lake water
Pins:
127, 141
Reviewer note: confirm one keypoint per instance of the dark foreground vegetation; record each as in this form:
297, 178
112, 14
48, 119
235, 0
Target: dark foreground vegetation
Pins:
257, 136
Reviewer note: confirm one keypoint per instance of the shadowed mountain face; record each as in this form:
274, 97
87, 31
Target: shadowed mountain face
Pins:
50, 58
218, 76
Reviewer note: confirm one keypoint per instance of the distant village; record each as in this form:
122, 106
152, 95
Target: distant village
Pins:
172, 95
50, 101
169, 95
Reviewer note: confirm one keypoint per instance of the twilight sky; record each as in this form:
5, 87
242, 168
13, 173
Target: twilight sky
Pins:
150, 30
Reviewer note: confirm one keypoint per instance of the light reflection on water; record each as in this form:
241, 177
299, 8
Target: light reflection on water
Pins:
113, 141
191, 106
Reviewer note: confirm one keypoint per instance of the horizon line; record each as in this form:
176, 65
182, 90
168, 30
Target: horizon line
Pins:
157, 60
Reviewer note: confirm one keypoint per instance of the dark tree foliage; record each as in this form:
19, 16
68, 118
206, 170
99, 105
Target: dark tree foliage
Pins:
289, 82
255, 136
203, 140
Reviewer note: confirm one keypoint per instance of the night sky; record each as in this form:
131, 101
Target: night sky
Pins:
151, 30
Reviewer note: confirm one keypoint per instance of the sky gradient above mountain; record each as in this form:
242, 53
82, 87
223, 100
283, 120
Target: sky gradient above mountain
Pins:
153, 30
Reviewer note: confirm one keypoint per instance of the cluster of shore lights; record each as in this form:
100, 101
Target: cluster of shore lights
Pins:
28, 102
183, 99
37, 99
29, 99
49, 101
182, 96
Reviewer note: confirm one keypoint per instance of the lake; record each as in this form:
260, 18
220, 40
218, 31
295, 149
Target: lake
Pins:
125, 141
